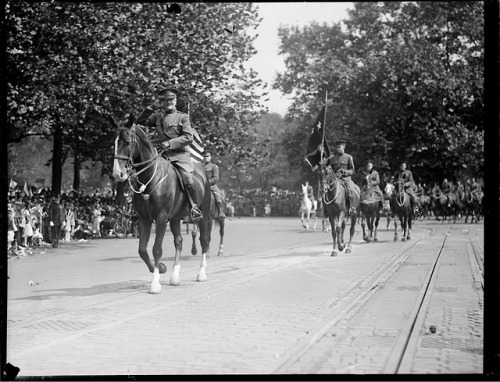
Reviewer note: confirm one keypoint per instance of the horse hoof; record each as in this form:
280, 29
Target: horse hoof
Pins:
155, 288
194, 252
175, 282
202, 277
163, 268
375, 240
395, 238
219, 253
348, 250
403, 239
334, 253
408, 238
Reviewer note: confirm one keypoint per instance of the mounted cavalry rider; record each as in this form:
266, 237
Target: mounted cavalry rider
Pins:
343, 164
371, 182
171, 134
212, 171
407, 177
310, 194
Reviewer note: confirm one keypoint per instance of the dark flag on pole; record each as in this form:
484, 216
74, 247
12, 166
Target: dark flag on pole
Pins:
313, 156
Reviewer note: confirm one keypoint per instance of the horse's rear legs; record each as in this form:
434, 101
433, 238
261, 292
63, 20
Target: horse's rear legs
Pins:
175, 228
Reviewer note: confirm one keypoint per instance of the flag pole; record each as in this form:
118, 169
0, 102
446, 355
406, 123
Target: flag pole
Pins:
324, 126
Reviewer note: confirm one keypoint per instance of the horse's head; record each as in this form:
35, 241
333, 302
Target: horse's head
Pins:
125, 149
388, 189
304, 189
329, 180
399, 186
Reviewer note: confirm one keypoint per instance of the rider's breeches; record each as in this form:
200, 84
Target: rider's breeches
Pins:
218, 195
183, 163
413, 198
350, 185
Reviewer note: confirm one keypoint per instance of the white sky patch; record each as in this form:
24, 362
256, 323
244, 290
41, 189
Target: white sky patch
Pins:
267, 62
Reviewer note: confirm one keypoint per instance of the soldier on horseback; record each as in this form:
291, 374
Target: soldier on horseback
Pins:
342, 163
407, 177
212, 171
171, 135
310, 193
371, 181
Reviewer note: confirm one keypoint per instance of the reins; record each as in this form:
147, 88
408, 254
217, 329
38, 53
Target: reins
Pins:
337, 190
130, 165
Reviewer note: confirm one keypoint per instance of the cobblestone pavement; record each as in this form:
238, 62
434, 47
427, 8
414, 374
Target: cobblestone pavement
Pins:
89, 313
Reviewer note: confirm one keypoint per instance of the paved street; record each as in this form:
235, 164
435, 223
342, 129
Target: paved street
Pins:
275, 302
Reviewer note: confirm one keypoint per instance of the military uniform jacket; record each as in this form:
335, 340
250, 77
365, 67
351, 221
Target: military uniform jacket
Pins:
173, 127
212, 171
371, 180
343, 161
407, 177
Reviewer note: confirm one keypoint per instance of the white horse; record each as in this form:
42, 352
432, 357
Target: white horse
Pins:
388, 190
306, 208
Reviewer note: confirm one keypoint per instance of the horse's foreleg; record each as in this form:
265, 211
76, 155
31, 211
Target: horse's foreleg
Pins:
395, 228
194, 232
333, 225
161, 226
340, 231
175, 228
365, 236
377, 219
221, 232
144, 233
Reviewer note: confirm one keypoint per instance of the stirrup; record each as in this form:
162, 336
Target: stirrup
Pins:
196, 214
352, 211
222, 215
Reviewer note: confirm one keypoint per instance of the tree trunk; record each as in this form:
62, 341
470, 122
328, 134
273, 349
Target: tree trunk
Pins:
77, 166
57, 161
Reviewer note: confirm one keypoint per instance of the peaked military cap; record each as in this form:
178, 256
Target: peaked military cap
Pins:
339, 142
168, 92
207, 152
369, 161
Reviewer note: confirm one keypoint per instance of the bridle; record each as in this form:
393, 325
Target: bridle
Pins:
130, 165
335, 179
401, 190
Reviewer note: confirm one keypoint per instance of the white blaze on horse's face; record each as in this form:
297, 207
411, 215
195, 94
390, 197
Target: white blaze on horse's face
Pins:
119, 170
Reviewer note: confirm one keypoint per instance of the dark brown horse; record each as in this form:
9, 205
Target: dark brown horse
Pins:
370, 208
335, 205
214, 217
159, 198
401, 207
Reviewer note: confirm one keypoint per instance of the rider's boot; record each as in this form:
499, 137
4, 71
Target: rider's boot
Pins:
352, 210
196, 214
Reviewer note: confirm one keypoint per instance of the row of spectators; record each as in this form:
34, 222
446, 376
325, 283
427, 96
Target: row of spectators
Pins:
44, 219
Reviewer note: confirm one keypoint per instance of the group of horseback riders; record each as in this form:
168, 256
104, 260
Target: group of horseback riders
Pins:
170, 131
341, 164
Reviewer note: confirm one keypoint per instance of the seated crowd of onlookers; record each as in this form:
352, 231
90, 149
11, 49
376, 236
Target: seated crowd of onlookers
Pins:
44, 219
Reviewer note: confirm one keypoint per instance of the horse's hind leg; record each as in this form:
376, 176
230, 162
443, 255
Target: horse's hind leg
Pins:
365, 236
205, 226
194, 232
222, 222
351, 233
377, 218
175, 228
161, 226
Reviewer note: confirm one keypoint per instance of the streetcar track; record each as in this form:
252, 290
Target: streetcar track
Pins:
363, 291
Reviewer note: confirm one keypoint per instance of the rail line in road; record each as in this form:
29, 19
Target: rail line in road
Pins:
399, 355
363, 293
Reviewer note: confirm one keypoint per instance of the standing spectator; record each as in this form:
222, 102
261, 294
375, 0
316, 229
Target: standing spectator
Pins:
69, 222
96, 223
19, 219
11, 225
56, 220
46, 229
28, 226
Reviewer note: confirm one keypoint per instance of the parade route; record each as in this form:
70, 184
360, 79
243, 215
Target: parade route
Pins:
276, 302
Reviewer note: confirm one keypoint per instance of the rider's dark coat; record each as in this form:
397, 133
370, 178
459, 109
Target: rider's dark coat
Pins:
174, 127
370, 182
212, 171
